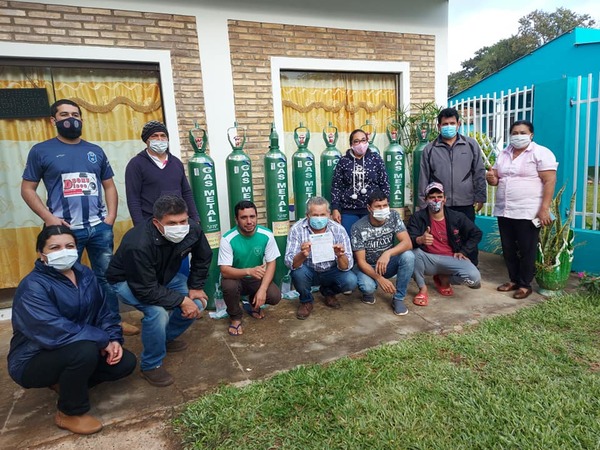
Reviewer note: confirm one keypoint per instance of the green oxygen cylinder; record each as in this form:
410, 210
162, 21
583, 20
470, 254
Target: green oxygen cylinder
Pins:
278, 208
203, 180
239, 170
329, 159
422, 132
370, 131
393, 156
303, 171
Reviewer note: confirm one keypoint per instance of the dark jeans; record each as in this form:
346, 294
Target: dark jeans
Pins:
75, 367
519, 247
469, 211
234, 289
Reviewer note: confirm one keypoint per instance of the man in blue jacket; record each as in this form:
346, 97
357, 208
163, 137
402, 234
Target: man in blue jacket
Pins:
442, 239
145, 273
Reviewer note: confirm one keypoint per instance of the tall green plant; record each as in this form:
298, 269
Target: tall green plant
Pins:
411, 117
558, 237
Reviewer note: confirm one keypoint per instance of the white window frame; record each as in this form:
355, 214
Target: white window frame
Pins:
110, 54
278, 64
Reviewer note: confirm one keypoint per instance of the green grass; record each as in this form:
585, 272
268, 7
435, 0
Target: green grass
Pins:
526, 381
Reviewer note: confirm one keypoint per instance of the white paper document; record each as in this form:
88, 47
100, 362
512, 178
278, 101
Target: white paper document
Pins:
322, 247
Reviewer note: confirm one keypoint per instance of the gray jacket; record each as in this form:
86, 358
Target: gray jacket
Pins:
459, 168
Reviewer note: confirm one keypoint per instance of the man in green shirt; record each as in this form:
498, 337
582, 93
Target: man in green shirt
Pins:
247, 257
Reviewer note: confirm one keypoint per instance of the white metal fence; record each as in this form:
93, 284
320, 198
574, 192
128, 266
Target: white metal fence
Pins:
488, 118
586, 152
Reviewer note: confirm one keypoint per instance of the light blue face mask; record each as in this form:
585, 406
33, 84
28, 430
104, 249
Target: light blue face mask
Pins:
448, 131
318, 223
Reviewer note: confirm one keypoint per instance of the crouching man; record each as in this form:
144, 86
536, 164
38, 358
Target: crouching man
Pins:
376, 256
442, 239
144, 273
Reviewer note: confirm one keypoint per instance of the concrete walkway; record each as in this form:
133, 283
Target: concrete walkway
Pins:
136, 414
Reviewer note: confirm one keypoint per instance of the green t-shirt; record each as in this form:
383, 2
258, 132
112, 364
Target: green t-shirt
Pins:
243, 252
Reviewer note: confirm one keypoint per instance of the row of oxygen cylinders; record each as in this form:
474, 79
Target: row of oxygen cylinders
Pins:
239, 181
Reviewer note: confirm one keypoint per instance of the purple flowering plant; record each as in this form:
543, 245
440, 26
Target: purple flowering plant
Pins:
590, 283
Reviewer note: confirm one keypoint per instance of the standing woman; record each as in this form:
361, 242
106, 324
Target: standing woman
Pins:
64, 335
525, 174
358, 173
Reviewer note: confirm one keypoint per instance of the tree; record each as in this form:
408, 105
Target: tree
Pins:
535, 29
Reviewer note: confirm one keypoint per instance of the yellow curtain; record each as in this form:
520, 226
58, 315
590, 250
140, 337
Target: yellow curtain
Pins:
347, 100
115, 104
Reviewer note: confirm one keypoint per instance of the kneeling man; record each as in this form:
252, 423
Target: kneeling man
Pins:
326, 265
145, 274
247, 257
442, 239
377, 258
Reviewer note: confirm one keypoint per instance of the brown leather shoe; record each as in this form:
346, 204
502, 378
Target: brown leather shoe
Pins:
522, 293
158, 377
331, 301
83, 424
304, 310
176, 346
508, 286
129, 330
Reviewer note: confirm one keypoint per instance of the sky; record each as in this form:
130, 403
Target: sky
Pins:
474, 24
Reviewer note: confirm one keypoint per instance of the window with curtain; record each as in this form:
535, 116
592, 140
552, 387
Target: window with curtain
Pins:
346, 99
115, 101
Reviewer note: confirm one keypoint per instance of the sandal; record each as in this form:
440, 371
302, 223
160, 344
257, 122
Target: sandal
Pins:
446, 291
421, 299
236, 328
256, 313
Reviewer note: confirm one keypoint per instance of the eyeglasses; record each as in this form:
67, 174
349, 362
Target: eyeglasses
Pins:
361, 141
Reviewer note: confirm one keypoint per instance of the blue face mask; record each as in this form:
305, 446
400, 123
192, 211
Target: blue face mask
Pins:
448, 131
318, 223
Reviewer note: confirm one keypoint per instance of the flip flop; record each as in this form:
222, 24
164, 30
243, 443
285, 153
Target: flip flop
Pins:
256, 313
445, 291
421, 299
236, 328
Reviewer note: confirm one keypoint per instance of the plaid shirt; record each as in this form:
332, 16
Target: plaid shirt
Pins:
300, 233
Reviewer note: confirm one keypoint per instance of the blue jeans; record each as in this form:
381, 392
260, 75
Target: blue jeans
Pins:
159, 325
348, 219
331, 282
400, 266
98, 241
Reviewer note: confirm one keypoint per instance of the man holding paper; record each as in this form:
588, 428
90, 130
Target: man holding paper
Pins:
319, 253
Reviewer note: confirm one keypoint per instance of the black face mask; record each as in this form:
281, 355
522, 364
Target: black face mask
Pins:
69, 128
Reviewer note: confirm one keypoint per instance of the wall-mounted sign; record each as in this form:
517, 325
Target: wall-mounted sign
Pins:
24, 103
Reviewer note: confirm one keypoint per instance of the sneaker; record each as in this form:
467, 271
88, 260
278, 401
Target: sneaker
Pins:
368, 299
129, 330
82, 424
158, 377
400, 308
331, 302
304, 310
176, 346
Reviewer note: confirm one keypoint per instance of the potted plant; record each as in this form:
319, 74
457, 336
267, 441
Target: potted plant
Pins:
555, 249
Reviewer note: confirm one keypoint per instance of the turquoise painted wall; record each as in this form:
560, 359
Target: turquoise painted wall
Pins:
570, 55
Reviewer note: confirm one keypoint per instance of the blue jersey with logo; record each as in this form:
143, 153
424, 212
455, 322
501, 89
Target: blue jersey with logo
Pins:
73, 175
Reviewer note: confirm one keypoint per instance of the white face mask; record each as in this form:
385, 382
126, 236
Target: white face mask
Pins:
520, 141
381, 214
62, 260
159, 146
176, 233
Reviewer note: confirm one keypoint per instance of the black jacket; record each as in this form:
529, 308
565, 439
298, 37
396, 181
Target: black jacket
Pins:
463, 235
148, 262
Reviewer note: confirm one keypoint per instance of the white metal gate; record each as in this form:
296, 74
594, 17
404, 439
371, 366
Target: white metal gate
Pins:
586, 152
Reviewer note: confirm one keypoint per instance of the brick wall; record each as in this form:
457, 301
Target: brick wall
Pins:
70, 25
253, 44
